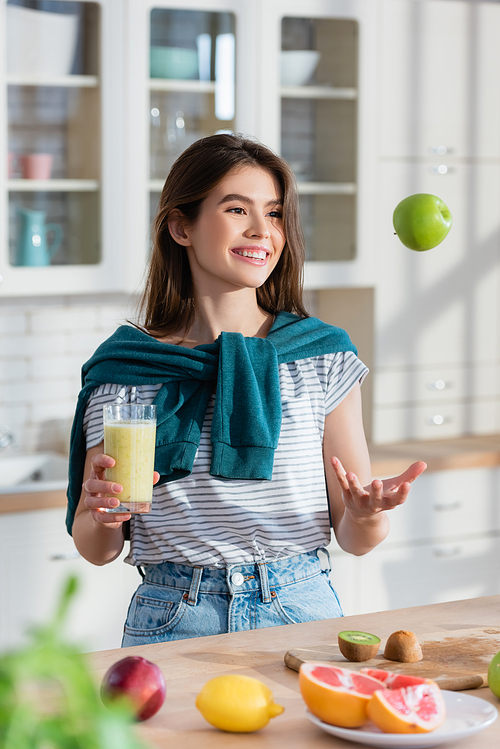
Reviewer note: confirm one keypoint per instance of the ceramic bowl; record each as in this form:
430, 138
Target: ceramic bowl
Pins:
40, 43
298, 66
174, 62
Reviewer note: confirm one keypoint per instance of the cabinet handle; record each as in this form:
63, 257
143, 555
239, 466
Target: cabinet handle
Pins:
438, 420
450, 551
440, 150
439, 385
445, 507
440, 169
64, 556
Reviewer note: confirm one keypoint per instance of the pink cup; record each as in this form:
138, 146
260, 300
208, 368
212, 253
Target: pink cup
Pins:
36, 165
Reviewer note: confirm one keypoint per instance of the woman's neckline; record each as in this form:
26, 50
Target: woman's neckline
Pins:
208, 343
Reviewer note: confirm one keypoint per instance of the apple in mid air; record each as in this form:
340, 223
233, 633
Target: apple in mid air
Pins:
422, 221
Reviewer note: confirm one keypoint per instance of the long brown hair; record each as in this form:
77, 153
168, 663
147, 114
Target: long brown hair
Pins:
167, 304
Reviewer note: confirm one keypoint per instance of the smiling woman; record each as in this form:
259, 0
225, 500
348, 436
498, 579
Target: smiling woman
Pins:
243, 173
237, 239
254, 399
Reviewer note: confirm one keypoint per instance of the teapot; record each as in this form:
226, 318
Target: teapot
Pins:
32, 246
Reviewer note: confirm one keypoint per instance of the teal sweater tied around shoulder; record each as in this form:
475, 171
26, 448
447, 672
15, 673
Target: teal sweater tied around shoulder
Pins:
247, 412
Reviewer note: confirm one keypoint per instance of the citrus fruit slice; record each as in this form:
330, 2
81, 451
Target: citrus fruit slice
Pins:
237, 703
335, 695
416, 709
393, 680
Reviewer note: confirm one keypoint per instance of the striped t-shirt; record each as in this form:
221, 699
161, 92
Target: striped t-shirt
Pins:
209, 521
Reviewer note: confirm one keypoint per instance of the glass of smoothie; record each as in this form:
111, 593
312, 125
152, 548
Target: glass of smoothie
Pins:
129, 438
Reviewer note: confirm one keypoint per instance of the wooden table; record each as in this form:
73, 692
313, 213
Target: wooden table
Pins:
189, 664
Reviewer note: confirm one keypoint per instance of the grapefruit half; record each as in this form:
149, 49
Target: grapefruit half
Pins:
338, 696
394, 680
415, 709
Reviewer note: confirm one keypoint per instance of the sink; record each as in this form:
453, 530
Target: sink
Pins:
36, 472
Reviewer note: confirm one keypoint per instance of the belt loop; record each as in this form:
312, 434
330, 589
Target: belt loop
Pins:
195, 586
328, 559
264, 582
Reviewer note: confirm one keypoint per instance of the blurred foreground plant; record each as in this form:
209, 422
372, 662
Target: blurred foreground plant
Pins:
49, 699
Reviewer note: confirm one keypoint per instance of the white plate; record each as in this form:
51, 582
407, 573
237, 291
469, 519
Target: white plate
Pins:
465, 715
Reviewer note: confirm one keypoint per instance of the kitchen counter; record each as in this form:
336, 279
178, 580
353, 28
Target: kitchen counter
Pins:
440, 455
188, 664
32, 501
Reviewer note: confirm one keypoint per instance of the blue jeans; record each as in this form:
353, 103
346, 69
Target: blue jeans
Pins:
175, 601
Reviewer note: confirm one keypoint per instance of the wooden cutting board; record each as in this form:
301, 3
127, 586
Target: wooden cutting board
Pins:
456, 660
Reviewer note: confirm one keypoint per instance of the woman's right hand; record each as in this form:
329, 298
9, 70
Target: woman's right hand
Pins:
99, 494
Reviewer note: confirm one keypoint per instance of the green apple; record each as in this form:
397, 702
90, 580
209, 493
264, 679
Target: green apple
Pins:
422, 221
494, 675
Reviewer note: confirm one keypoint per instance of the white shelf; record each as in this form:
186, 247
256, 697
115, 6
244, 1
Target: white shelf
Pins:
192, 87
68, 81
317, 92
53, 185
326, 188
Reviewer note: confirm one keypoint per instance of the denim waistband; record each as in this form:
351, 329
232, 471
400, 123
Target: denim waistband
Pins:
237, 578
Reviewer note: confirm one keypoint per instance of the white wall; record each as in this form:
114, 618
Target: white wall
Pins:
43, 344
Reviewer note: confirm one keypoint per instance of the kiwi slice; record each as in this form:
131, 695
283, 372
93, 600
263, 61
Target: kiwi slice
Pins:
358, 646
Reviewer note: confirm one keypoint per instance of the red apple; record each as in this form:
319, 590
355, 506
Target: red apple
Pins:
138, 680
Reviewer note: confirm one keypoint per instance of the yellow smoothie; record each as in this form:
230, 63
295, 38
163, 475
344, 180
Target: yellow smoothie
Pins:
132, 445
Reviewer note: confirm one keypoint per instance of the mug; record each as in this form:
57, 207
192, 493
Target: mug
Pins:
36, 165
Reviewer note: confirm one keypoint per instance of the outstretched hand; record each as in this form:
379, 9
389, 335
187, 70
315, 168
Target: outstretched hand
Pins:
362, 502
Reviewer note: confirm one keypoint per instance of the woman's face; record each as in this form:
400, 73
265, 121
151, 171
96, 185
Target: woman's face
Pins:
238, 237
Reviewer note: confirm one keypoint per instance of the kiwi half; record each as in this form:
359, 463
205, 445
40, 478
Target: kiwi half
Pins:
358, 646
403, 646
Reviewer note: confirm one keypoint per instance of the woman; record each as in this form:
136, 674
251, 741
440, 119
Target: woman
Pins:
257, 404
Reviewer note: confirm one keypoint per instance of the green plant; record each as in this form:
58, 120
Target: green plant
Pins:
49, 699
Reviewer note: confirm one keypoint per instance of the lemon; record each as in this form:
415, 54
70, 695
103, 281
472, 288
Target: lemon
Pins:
494, 675
237, 703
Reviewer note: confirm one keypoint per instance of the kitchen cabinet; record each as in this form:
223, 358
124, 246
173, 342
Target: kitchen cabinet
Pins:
323, 127
36, 556
309, 115
439, 133
61, 154
431, 573
438, 79
444, 544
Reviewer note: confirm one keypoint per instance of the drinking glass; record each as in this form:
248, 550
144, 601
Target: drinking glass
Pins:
129, 438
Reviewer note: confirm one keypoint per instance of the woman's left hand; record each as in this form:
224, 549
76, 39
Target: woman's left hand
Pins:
363, 502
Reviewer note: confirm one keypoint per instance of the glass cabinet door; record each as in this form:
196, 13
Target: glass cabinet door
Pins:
319, 73
192, 84
53, 133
